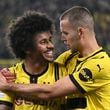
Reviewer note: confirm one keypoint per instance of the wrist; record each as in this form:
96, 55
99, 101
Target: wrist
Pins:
3, 86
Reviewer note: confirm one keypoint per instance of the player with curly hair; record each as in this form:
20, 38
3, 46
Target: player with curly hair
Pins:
30, 39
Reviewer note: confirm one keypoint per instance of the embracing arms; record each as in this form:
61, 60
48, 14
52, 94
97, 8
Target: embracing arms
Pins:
60, 88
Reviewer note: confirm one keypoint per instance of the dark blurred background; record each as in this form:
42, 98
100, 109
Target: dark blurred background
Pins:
10, 9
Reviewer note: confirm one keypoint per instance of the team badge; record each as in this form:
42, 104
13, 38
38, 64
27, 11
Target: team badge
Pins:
85, 75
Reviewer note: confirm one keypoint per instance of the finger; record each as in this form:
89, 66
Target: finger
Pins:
10, 78
2, 78
11, 81
5, 69
6, 72
11, 75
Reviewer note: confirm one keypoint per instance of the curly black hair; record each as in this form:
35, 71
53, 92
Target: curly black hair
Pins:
23, 29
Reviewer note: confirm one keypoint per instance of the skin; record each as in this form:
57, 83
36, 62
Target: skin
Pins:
36, 60
68, 35
3, 107
80, 38
44, 46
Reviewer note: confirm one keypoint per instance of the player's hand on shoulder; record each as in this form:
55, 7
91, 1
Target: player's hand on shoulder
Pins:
8, 75
2, 80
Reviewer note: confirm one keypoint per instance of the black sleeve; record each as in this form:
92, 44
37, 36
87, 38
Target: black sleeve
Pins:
76, 83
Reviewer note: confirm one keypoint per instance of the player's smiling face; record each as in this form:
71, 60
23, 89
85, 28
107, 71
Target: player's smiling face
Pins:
43, 46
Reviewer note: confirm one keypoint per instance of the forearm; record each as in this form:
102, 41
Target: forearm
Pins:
31, 90
44, 92
5, 107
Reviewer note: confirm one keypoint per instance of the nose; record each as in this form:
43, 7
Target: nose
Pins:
50, 45
62, 38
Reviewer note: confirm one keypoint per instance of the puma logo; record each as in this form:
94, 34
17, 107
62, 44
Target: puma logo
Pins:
99, 67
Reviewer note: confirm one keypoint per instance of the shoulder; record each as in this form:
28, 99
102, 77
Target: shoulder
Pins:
103, 59
98, 67
15, 67
65, 57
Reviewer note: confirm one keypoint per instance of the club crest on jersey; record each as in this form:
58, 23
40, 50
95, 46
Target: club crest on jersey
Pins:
85, 75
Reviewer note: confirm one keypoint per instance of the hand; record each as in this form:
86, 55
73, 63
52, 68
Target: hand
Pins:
3, 82
2, 78
10, 77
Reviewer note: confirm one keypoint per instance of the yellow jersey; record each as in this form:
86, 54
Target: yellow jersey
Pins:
92, 78
68, 59
53, 72
74, 101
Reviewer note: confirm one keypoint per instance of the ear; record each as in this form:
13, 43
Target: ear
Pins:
80, 31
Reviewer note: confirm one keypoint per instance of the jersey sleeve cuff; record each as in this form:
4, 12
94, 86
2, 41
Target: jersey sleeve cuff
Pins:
77, 84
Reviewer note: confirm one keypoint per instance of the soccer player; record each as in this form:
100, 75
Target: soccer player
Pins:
91, 75
30, 39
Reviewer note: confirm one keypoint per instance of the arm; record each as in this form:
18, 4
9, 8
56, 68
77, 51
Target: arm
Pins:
4, 102
60, 88
5, 107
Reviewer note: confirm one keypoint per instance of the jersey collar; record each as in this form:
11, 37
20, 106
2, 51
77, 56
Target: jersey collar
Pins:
92, 55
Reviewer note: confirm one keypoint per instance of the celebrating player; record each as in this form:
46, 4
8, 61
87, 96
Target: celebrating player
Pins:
30, 38
91, 75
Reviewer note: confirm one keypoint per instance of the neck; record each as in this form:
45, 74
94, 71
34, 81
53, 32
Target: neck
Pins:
90, 46
35, 67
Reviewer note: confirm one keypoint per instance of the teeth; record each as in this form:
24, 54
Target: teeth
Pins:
65, 42
50, 52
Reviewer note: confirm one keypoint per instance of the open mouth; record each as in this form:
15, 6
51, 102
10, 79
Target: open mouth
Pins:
65, 42
49, 53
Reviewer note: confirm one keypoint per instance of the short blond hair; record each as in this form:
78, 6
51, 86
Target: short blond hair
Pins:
79, 16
